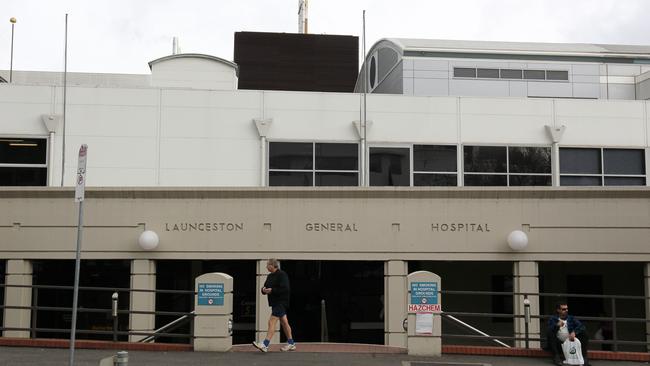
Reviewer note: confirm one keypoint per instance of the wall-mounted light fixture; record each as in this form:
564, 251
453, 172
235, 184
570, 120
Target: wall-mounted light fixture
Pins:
148, 240
517, 240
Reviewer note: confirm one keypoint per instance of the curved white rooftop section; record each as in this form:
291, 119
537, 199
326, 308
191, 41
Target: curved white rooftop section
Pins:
414, 47
194, 70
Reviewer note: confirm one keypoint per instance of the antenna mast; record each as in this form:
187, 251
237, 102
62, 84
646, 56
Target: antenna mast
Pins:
302, 17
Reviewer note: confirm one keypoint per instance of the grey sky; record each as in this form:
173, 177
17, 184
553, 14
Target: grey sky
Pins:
121, 36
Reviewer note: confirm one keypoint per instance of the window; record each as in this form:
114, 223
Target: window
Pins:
557, 75
373, 72
507, 166
313, 164
23, 162
488, 73
463, 72
484, 73
434, 165
511, 74
389, 166
600, 166
534, 74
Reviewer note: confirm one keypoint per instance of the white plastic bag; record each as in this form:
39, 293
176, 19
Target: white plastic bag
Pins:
572, 352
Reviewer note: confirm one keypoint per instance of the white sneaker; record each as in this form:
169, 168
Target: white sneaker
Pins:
288, 347
261, 347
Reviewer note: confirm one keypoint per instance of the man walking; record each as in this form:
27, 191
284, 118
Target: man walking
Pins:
277, 289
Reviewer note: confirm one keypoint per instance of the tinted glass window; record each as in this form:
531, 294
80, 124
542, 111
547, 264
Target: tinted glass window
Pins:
337, 157
10, 176
534, 74
23, 151
530, 180
389, 166
373, 71
463, 72
580, 181
529, 159
337, 179
431, 158
435, 180
485, 159
485, 180
488, 73
557, 75
511, 74
580, 161
290, 179
624, 161
290, 155
624, 181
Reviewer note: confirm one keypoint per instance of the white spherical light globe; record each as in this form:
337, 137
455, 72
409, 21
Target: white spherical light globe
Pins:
517, 240
148, 240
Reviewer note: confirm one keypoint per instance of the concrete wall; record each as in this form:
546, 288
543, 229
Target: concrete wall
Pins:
330, 224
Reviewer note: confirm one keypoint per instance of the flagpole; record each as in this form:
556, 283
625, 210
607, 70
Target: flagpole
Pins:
65, 90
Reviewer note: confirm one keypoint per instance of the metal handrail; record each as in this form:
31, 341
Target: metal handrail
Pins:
451, 317
171, 324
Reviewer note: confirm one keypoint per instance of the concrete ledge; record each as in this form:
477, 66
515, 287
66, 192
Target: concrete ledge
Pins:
88, 344
522, 352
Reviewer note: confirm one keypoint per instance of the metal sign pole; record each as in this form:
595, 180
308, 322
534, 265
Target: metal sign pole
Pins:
79, 197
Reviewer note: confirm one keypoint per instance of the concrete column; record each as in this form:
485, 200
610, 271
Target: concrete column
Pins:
19, 272
395, 302
143, 277
646, 286
263, 310
526, 279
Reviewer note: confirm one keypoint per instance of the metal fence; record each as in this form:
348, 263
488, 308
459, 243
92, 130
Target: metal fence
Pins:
469, 326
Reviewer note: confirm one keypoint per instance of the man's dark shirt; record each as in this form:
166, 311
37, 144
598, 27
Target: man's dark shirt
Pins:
278, 282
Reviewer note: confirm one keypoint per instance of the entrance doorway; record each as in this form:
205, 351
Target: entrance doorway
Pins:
336, 301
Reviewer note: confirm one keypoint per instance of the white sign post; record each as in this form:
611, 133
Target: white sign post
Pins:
78, 197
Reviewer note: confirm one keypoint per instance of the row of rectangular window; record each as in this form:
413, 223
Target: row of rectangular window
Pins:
436, 165
485, 73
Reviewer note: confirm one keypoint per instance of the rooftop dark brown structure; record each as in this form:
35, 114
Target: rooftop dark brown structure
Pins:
299, 62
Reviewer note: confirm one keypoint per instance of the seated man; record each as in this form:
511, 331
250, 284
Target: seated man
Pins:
560, 326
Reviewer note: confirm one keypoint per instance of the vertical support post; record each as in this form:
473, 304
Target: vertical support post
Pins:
114, 306
263, 310
526, 280
614, 332
18, 273
213, 309
646, 286
143, 277
395, 302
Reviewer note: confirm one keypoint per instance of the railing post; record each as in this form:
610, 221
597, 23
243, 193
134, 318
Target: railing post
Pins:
114, 298
323, 322
526, 319
614, 334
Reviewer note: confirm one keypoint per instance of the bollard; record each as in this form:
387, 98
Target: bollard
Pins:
121, 359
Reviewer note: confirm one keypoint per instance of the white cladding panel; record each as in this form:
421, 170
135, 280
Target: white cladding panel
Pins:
602, 123
21, 109
505, 121
196, 73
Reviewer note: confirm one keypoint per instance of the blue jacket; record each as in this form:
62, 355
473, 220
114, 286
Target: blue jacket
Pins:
573, 324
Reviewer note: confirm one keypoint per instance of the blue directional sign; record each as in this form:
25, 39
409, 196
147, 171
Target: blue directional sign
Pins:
425, 293
210, 294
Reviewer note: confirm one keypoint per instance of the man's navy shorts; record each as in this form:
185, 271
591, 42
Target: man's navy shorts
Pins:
278, 310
